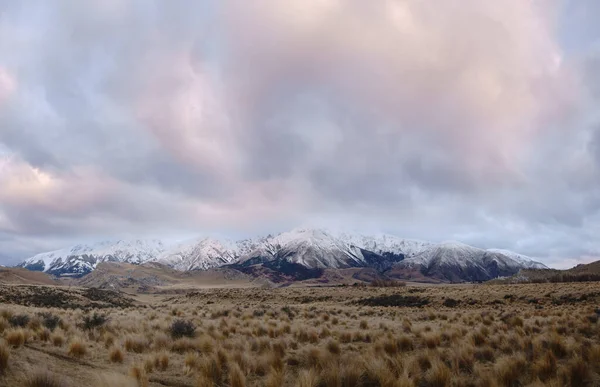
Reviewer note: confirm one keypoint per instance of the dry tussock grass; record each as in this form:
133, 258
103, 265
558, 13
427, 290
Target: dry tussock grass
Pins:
487, 336
4, 356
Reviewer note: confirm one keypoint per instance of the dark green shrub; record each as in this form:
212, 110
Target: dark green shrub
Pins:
49, 320
19, 320
94, 321
181, 328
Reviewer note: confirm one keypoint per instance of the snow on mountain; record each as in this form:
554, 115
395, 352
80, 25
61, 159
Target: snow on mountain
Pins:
314, 248
455, 261
81, 259
203, 254
384, 243
526, 261
298, 249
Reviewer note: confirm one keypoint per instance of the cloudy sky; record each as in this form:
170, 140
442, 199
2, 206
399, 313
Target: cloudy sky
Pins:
470, 120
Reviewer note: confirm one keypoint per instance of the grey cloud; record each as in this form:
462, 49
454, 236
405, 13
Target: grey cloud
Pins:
418, 118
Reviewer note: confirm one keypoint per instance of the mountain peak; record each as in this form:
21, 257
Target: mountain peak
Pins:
309, 248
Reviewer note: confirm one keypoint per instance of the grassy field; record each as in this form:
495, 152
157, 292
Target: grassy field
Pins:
454, 335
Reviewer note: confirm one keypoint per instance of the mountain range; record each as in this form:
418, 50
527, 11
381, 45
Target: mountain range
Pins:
296, 255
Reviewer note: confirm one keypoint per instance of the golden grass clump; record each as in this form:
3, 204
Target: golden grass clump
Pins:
115, 355
161, 361
57, 339
275, 378
334, 347
4, 356
236, 376
509, 370
15, 337
44, 334
212, 368
308, 378
139, 374
439, 375
77, 348
44, 378
136, 344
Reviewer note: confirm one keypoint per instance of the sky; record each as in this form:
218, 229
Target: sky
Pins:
469, 120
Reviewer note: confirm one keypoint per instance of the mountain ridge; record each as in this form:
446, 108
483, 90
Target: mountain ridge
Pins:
293, 255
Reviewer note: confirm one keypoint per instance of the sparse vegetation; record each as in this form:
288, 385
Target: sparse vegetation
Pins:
471, 335
382, 283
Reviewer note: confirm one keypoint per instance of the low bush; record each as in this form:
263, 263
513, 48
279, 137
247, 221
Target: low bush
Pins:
94, 321
49, 320
182, 328
19, 320
394, 300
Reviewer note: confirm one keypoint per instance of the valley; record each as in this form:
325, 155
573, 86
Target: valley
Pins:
414, 335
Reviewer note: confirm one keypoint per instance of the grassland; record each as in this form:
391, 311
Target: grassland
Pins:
454, 335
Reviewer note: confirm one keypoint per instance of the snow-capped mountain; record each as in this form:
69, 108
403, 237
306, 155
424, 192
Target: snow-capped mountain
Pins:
305, 251
82, 259
455, 261
311, 248
522, 259
204, 253
385, 244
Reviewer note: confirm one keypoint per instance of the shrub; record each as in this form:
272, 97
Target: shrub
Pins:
49, 320
182, 328
381, 283
451, 303
394, 300
19, 320
94, 321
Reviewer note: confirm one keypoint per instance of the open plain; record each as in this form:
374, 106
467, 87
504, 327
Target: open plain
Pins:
434, 335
